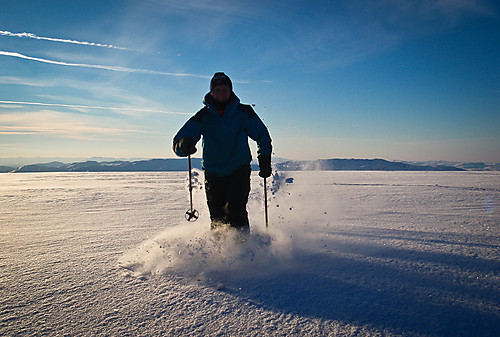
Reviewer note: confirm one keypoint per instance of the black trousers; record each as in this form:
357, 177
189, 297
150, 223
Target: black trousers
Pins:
227, 198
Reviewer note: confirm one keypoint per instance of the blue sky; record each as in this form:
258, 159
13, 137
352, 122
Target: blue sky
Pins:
399, 80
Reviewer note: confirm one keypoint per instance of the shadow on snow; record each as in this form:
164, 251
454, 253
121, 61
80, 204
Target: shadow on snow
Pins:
401, 290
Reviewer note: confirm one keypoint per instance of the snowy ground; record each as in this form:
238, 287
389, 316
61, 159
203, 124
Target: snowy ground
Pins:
346, 254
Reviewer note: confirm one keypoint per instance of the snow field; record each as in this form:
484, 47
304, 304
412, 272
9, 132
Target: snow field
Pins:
346, 254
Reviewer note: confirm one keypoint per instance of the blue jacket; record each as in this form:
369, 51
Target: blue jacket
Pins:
225, 137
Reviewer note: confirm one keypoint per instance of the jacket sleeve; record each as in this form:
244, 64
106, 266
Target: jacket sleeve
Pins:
192, 129
258, 132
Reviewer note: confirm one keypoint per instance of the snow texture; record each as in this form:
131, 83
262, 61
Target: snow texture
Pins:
345, 254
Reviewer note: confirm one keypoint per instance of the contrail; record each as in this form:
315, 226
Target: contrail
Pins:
92, 107
97, 66
36, 37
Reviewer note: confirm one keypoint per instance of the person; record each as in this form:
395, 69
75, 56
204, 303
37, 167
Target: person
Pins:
226, 125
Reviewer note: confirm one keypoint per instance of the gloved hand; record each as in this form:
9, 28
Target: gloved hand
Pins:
187, 146
265, 166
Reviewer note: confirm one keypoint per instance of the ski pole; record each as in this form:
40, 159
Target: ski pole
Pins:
265, 203
191, 214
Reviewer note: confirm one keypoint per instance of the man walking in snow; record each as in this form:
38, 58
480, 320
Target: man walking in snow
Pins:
225, 125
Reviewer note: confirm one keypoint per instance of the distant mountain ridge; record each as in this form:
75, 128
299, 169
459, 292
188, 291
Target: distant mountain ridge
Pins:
470, 166
113, 166
358, 165
180, 164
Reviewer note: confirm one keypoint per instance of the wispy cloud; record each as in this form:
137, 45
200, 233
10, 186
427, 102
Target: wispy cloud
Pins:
217, 9
55, 123
74, 106
53, 39
20, 81
46, 82
98, 66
